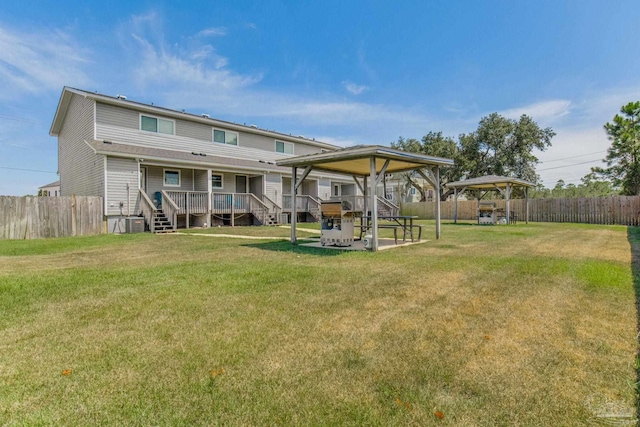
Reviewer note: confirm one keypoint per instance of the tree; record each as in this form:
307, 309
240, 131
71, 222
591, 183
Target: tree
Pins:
504, 147
623, 157
499, 146
432, 144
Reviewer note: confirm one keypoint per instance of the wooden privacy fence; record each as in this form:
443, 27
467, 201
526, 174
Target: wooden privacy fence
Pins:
622, 210
38, 217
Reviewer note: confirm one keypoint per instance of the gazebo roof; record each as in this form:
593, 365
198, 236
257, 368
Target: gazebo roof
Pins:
490, 182
356, 160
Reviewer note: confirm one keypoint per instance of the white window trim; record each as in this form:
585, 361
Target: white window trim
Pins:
164, 178
225, 131
221, 181
157, 118
275, 146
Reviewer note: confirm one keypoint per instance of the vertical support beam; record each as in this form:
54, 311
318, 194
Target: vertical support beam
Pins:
365, 202
233, 209
374, 206
526, 205
455, 205
436, 178
294, 202
508, 196
187, 202
210, 197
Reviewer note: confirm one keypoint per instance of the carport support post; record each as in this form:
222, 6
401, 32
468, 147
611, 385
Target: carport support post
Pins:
508, 196
455, 205
437, 182
374, 207
294, 203
526, 205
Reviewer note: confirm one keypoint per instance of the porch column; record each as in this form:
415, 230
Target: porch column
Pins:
210, 191
294, 202
374, 206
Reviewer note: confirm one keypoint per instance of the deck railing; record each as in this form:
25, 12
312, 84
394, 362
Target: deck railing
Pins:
239, 203
170, 209
303, 202
190, 202
148, 210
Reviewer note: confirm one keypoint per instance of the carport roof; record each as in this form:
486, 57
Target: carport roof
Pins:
356, 160
490, 182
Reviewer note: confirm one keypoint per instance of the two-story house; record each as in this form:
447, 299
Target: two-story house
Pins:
180, 169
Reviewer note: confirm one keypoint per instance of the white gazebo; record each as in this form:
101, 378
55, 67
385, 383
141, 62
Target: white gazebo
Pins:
371, 163
502, 184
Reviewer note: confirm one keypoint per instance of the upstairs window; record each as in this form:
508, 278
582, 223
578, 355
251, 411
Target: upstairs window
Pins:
284, 147
157, 125
225, 137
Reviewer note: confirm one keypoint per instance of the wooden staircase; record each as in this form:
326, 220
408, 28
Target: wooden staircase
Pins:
161, 223
271, 219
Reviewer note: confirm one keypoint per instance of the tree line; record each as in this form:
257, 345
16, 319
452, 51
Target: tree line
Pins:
504, 147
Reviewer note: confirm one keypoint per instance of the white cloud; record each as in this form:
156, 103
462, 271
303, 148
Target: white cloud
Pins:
210, 32
354, 88
545, 111
40, 61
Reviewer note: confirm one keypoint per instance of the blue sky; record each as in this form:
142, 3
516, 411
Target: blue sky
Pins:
345, 72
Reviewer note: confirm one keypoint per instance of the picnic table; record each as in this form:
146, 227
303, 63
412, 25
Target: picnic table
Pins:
397, 223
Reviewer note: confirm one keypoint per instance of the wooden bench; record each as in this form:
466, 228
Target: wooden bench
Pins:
419, 227
393, 227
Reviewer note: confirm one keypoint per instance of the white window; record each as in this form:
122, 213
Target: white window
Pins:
216, 180
284, 147
156, 124
225, 137
172, 178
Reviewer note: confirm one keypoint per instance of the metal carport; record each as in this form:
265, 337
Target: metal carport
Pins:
502, 184
370, 162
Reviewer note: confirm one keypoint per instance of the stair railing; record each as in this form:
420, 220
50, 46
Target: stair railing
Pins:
170, 209
148, 210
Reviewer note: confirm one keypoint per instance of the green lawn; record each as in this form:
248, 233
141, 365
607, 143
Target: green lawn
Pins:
497, 325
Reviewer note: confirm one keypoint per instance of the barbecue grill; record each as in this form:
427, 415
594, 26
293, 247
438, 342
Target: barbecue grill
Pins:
337, 223
486, 213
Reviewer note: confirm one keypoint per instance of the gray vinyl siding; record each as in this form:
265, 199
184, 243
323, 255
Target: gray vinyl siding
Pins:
273, 190
201, 180
122, 174
155, 179
228, 182
255, 185
81, 170
310, 187
324, 189
123, 125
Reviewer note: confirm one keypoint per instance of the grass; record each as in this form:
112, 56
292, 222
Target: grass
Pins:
508, 325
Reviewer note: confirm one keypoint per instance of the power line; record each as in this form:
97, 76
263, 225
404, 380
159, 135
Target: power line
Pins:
568, 166
27, 170
574, 157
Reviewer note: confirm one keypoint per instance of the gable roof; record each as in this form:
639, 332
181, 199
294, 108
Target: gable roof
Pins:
68, 92
53, 184
356, 160
490, 182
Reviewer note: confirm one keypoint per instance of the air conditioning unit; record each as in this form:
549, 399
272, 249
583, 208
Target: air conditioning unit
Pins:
367, 241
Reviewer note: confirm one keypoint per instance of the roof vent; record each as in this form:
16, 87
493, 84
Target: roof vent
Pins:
254, 126
206, 116
124, 98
